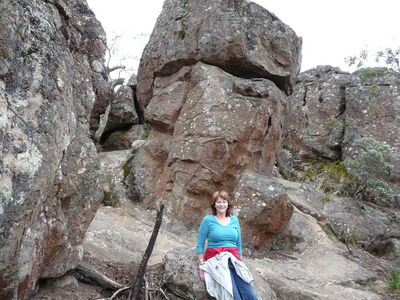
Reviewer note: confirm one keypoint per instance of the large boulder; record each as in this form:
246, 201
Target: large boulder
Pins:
225, 126
122, 114
123, 139
112, 164
242, 38
121, 235
263, 206
319, 272
49, 190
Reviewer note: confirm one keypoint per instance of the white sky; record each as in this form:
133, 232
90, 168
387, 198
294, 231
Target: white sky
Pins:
331, 30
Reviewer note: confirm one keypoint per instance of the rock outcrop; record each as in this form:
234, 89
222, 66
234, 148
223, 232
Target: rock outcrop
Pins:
212, 81
225, 126
263, 207
244, 39
329, 111
314, 122
373, 111
49, 189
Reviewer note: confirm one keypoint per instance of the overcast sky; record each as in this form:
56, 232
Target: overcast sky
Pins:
331, 30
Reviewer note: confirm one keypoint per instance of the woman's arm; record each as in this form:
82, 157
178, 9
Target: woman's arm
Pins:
202, 236
201, 239
239, 240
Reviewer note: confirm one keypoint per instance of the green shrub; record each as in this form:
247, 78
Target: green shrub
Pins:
146, 131
331, 178
326, 198
366, 73
337, 123
393, 281
372, 107
373, 90
371, 165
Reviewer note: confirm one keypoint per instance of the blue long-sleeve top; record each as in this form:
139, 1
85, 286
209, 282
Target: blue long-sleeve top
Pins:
218, 235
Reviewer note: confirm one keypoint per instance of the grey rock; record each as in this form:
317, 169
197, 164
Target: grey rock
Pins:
113, 164
263, 206
122, 234
373, 111
122, 112
315, 270
123, 139
314, 122
67, 287
48, 165
242, 38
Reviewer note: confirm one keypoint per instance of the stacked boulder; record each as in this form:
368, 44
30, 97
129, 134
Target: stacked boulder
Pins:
213, 82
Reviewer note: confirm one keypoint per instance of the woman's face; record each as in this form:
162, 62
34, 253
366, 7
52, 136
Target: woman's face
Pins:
221, 205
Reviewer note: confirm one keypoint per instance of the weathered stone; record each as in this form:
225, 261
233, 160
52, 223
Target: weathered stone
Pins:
104, 94
305, 197
315, 267
373, 110
123, 139
352, 221
67, 287
163, 109
146, 168
225, 126
242, 38
181, 276
113, 171
132, 81
122, 113
314, 122
122, 235
263, 207
48, 170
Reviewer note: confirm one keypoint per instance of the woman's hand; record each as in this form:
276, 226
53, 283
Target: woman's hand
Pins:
201, 274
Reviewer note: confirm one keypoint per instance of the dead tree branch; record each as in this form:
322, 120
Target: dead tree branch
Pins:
137, 284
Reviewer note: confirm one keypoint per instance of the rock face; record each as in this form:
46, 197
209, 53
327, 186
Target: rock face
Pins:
314, 122
263, 207
122, 114
242, 38
373, 111
330, 110
317, 271
121, 235
212, 81
353, 222
123, 139
225, 126
49, 190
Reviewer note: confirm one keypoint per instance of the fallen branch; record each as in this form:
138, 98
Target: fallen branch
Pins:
92, 275
137, 284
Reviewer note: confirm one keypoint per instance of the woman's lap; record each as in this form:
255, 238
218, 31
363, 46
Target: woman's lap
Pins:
241, 289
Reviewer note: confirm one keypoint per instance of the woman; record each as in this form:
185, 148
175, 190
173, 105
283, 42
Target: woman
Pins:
221, 266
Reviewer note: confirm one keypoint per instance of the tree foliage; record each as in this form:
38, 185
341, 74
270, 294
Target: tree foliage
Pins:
391, 58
